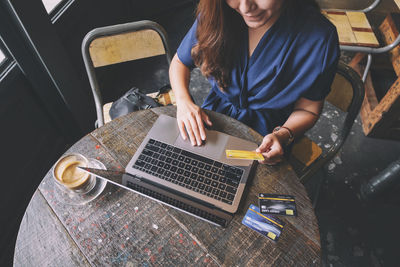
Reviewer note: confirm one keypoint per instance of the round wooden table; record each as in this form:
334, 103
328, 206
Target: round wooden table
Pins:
122, 228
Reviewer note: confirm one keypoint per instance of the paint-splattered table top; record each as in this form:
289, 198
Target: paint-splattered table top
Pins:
122, 228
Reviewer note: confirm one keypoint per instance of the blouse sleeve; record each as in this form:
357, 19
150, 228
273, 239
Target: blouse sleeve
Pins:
185, 48
322, 84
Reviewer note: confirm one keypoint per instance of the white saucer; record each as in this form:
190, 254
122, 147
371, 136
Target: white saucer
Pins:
71, 198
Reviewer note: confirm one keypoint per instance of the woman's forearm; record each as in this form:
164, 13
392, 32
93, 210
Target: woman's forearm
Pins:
303, 117
179, 76
190, 117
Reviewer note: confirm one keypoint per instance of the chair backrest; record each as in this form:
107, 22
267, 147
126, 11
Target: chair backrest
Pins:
341, 93
112, 49
347, 94
121, 43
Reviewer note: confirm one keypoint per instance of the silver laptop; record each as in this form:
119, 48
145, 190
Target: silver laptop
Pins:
204, 174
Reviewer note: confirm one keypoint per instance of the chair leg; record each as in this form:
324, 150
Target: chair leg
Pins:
318, 188
354, 63
369, 60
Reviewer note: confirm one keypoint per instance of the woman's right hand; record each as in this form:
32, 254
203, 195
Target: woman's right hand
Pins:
190, 119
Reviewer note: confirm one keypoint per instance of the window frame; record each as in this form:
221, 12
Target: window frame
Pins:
27, 32
59, 9
7, 61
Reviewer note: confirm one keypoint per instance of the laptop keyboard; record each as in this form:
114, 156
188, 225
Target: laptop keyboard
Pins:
203, 175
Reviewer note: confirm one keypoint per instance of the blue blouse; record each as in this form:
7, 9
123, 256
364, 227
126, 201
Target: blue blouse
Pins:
297, 57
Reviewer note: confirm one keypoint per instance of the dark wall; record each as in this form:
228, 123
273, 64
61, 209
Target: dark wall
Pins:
30, 138
29, 143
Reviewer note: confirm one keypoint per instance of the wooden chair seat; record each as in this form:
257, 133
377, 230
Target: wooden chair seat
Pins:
303, 154
353, 28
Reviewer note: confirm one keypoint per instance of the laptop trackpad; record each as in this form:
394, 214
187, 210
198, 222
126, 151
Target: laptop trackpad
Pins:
213, 148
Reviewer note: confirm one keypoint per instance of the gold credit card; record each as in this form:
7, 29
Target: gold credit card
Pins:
243, 154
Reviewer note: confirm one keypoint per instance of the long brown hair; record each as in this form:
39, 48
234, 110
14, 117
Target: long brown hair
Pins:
219, 31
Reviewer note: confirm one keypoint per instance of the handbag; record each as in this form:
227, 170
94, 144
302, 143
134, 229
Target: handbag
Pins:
132, 100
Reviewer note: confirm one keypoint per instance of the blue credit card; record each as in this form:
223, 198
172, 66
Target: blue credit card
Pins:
266, 225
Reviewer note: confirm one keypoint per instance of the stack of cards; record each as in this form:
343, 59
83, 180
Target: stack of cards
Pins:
259, 219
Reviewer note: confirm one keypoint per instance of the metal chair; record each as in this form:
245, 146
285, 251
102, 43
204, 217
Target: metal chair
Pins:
356, 34
347, 94
120, 43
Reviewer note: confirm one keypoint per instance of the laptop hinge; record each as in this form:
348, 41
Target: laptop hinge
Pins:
177, 200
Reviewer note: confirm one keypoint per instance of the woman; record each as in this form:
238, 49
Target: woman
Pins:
270, 64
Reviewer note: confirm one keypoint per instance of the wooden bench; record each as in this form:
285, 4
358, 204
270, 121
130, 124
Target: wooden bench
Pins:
353, 28
380, 117
356, 34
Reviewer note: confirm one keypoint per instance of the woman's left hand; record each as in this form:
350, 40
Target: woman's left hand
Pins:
271, 149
